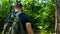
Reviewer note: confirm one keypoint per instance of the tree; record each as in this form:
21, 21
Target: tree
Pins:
41, 12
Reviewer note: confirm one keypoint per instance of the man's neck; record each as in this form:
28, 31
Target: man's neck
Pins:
17, 10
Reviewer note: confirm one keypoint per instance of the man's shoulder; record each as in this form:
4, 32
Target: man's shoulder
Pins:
23, 14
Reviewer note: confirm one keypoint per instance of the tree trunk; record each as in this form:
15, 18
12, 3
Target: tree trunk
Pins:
58, 17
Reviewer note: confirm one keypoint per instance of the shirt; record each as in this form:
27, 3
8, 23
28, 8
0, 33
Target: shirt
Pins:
23, 17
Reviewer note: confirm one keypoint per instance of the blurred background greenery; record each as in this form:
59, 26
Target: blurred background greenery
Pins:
41, 12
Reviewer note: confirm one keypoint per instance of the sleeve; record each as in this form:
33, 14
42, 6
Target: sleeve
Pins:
8, 17
24, 18
27, 19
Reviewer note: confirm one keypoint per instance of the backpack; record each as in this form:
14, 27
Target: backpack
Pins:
11, 25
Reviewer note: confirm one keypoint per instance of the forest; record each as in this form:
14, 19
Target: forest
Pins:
41, 13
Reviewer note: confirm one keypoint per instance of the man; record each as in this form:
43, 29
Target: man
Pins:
24, 19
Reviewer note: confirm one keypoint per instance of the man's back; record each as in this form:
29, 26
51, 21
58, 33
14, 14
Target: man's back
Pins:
24, 18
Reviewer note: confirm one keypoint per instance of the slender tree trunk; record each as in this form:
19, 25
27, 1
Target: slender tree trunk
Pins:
58, 16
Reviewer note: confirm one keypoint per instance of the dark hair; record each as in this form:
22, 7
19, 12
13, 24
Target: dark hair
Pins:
18, 5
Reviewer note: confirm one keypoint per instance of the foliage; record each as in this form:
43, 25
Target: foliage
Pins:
41, 12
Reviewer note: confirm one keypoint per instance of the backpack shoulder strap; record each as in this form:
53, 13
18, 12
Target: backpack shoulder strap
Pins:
20, 24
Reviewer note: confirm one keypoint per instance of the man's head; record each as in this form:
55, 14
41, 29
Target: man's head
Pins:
18, 6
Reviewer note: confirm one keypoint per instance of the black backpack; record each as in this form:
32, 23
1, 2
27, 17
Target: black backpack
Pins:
11, 25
